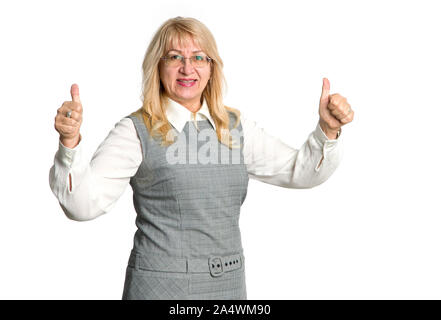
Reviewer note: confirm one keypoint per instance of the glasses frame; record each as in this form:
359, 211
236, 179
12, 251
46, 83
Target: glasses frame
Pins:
182, 63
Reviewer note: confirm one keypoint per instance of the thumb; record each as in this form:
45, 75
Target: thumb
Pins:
75, 93
324, 98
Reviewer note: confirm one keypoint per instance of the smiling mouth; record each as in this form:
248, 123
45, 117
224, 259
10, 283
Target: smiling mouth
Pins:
187, 81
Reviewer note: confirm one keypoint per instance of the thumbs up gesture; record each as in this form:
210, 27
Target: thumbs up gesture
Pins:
334, 111
69, 118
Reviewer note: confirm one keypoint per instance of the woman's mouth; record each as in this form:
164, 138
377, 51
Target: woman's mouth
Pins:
186, 82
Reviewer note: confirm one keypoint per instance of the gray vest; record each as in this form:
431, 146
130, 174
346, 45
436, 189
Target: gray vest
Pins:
187, 198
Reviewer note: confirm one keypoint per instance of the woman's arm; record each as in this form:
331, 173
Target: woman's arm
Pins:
270, 160
86, 190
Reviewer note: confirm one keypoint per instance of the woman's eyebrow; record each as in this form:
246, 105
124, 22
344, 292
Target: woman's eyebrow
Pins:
181, 51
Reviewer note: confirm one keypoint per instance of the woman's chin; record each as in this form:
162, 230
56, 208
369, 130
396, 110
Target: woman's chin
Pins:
187, 97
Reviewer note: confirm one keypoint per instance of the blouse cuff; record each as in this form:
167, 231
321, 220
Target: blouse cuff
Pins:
67, 155
323, 140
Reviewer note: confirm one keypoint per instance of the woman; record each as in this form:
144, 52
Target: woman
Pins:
187, 192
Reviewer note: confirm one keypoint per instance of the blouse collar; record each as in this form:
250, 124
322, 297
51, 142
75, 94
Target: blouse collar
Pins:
178, 115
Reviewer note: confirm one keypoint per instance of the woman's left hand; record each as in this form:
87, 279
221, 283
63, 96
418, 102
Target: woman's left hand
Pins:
334, 111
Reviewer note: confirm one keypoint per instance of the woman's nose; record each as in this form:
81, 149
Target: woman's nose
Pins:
187, 67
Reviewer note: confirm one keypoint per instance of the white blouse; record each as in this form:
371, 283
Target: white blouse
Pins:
96, 186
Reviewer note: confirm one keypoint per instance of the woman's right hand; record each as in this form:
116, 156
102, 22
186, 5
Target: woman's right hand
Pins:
69, 128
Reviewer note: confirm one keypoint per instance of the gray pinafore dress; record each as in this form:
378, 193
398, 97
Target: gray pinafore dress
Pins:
187, 198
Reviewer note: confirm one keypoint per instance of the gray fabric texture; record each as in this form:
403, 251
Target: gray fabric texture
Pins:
188, 242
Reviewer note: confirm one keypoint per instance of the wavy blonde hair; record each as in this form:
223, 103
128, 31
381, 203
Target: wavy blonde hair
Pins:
154, 97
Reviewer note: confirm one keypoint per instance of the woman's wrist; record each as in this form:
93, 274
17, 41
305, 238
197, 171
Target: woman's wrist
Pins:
332, 134
71, 143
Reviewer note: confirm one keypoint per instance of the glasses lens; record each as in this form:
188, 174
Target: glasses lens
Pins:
199, 61
176, 60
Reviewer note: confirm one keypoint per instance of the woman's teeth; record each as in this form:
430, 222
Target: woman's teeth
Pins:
187, 83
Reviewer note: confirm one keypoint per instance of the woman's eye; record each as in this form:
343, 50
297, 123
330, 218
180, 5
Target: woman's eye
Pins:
199, 58
175, 57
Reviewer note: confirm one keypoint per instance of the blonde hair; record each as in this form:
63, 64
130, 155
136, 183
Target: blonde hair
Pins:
154, 97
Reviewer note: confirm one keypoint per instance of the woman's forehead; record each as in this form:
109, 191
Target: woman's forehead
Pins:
185, 43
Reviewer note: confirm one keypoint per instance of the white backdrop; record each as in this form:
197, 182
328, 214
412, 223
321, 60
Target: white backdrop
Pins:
370, 232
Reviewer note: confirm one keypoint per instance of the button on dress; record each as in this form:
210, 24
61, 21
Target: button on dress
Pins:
187, 198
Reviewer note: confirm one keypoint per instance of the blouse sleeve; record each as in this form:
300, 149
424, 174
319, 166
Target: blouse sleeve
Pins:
270, 160
98, 184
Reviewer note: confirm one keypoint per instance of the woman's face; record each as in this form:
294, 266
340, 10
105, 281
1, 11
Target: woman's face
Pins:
186, 93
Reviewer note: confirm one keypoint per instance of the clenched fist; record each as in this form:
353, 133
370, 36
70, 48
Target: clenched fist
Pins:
334, 111
69, 127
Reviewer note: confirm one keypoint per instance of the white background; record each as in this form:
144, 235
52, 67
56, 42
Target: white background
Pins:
372, 231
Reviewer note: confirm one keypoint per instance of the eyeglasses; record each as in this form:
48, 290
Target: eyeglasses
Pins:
175, 60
